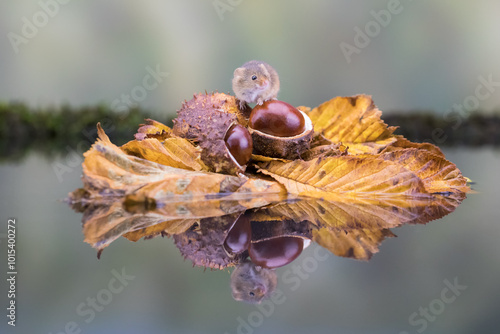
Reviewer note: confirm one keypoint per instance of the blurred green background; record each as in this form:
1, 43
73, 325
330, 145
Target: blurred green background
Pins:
429, 57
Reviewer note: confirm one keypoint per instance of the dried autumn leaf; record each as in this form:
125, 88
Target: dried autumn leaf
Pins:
153, 129
437, 173
175, 152
357, 244
354, 121
263, 158
402, 143
168, 227
355, 227
365, 175
107, 170
330, 150
102, 224
370, 147
183, 185
350, 227
351, 213
206, 207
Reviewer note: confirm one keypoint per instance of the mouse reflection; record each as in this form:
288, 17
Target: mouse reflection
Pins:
255, 279
251, 283
253, 247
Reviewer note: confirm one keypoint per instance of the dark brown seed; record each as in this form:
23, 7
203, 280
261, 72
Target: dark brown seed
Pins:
274, 253
277, 118
239, 143
239, 237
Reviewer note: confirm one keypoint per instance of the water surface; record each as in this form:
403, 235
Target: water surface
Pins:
59, 275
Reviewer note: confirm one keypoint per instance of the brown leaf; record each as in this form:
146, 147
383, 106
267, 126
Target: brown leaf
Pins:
102, 224
201, 186
370, 147
168, 227
352, 213
355, 227
354, 121
327, 150
437, 173
358, 176
110, 171
153, 129
263, 158
358, 244
402, 143
175, 152
347, 226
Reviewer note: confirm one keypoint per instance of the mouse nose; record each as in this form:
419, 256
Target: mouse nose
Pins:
260, 289
263, 83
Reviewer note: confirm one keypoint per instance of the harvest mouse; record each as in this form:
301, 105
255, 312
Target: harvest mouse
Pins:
255, 82
251, 283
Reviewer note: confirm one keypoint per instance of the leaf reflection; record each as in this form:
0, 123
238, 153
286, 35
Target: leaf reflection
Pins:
348, 227
256, 234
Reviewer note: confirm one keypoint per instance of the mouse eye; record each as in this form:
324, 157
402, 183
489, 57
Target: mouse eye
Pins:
254, 77
252, 293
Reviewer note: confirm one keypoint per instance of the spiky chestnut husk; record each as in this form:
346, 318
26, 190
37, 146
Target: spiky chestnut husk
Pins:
191, 118
206, 119
287, 147
204, 246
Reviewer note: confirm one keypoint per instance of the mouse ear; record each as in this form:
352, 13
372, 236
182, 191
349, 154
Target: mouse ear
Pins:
239, 71
264, 69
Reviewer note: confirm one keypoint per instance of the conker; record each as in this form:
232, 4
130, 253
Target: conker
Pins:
276, 252
239, 236
239, 143
277, 118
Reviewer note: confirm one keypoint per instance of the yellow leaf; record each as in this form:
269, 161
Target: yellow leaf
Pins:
175, 152
343, 213
359, 176
153, 129
437, 173
358, 244
168, 227
402, 143
103, 224
180, 185
355, 227
354, 121
263, 158
369, 147
107, 170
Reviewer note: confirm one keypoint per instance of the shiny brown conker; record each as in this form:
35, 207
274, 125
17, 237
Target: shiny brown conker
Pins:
239, 236
277, 118
276, 252
239, 143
